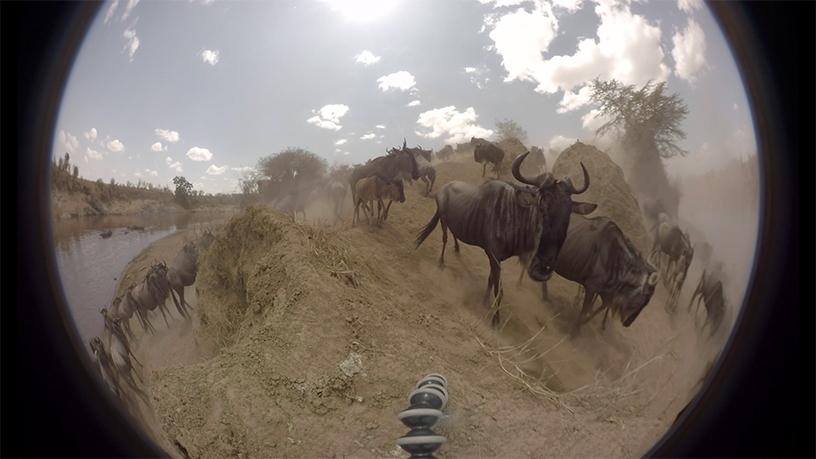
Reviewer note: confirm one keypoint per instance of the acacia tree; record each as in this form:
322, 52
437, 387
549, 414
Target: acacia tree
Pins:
509, 129
647, 122
292, 167
184, 190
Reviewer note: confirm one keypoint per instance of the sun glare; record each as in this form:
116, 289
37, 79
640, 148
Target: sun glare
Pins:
362, 11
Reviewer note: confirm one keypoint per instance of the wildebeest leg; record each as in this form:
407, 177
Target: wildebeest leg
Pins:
523, 262
455, 243
545, 295
495, 282
484, 168
387, 207
444, 242
179, 308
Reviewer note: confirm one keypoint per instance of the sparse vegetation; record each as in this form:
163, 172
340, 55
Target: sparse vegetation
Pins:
508, 130
184, 191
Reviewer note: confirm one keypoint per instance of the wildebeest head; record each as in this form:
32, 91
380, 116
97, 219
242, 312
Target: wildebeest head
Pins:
635, 285
395, 191
554, 201
405, 162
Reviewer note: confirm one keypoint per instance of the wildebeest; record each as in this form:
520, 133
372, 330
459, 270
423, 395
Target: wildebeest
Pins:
508, 220
147, 295
397, 164
485, 152
538, 160
597, 255
336, 190
673, 245
113, 367
709, 291
427, 173
445, 153
182, 273
374, 189
296, 200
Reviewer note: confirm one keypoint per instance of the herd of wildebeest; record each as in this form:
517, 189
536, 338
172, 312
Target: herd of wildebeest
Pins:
530, 220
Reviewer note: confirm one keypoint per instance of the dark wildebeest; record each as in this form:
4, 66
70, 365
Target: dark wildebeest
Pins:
487, 152
182, 273
336, 191
539, 161
396, 165
147, 295
508, 220
597, 255
709, 291
445, 153
427, 173
371, 189
296, 200
673, 245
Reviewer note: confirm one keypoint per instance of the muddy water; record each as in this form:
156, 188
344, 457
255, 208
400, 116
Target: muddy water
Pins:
90, 266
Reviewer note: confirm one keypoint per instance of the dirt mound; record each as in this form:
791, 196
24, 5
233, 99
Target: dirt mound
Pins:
608, 189
318, 333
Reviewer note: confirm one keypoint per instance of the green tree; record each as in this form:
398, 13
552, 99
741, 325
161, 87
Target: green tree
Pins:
184, 190
293, 166
647, 123
509, 129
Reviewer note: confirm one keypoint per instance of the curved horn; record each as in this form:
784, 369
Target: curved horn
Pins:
517, 172
652, 278
572, 188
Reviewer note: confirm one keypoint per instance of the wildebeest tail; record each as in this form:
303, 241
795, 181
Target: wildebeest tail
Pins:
427, 229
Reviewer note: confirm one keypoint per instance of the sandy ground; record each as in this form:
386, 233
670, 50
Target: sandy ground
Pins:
280, 305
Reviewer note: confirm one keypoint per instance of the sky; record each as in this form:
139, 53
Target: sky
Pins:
204, 88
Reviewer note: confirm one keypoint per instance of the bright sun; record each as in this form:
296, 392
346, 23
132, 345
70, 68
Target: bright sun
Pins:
363, 10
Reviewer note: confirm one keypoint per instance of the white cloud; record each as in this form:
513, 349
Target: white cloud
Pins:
368, 136
457, 126
573, 101
569, 5
592, 120
215, 170
111, 10
559, 143
689, 5
152, 173
366, 58
199, 154
476, 76
627, 48
115, 146
414, 103
735, 106
167, 135
131, 42
242, 169
210, 56
157, 147
67, 141
380, 126
520, 37
91, 135
328, 116
341, 142
173, 164
128, 8
503, 3
93, 154
689, 51
137, 174
401, 80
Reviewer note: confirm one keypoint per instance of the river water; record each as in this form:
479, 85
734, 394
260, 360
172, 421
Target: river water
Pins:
90, 266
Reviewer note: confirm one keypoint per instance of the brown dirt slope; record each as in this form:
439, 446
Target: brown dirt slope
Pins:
286, 304
608, 189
